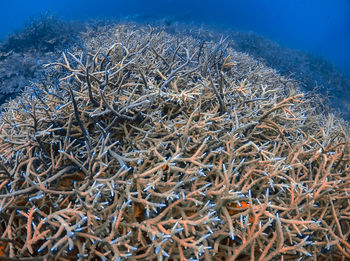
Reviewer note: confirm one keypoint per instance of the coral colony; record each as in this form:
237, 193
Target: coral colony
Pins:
156, 147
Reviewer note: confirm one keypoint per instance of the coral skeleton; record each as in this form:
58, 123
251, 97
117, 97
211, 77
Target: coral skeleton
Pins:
156, 147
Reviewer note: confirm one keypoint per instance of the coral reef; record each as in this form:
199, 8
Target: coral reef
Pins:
307, 68
43, 39
156, 147
314, 73
44, 33
22, 54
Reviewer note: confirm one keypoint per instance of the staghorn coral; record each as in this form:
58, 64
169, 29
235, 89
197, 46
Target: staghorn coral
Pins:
314, 73
154, 147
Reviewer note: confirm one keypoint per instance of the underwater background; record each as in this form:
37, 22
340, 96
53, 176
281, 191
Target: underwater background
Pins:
308, 40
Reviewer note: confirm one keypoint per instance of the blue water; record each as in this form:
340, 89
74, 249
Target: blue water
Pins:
318, 26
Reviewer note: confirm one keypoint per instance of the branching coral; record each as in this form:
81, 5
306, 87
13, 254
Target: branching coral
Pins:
154, 147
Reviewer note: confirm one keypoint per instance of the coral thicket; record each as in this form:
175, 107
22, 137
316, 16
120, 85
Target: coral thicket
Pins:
160, 147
